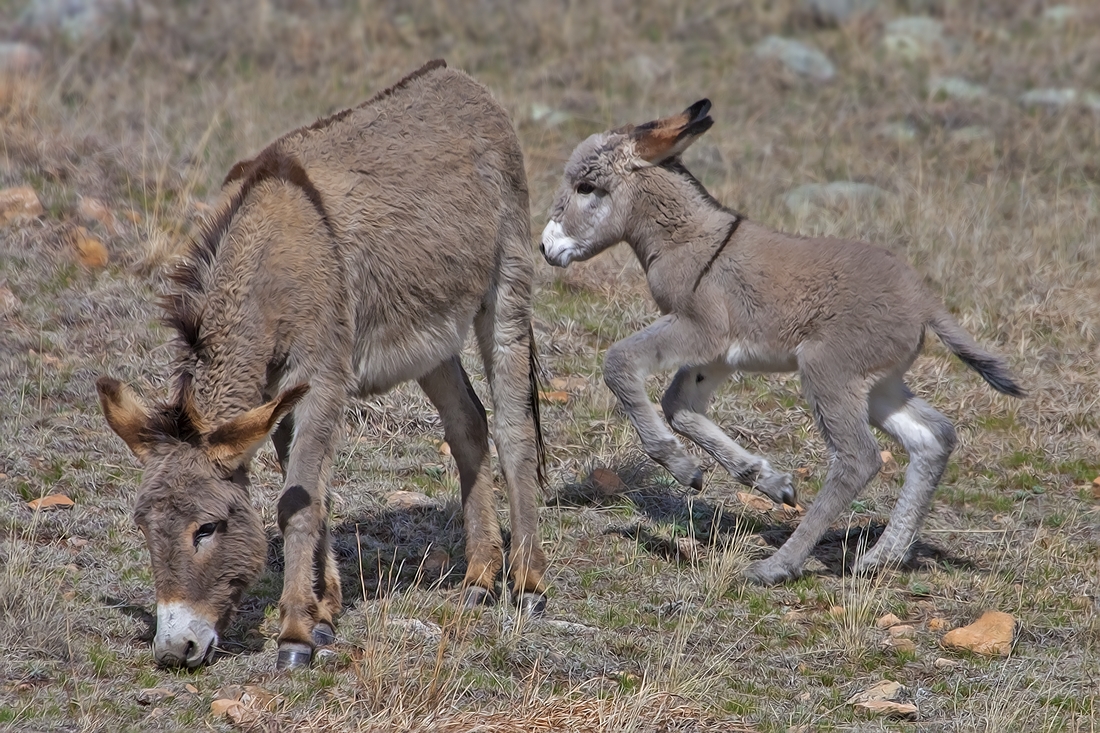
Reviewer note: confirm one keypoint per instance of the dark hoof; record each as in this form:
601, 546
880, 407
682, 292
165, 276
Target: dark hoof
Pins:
767, 573
293, 655
697, 481
531, 605
475, 597
323, 635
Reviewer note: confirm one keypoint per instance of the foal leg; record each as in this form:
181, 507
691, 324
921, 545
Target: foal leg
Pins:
928, 437
503, 328
467, 432
840, 411
685, 404
311, 596
665, 344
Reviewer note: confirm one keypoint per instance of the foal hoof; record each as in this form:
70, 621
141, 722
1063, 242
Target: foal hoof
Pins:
779, 488
293, 655
323, 635
765, 572
697, 481
475, 597
531, 605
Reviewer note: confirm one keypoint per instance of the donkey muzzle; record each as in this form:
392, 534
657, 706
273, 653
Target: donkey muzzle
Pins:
558, 248
184, 638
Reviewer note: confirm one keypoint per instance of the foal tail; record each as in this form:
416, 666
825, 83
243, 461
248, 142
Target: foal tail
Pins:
992, 368
533, 398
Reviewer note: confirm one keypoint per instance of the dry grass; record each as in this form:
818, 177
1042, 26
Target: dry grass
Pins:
148, 115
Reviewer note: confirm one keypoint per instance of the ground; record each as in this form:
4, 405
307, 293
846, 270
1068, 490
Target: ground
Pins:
650, 625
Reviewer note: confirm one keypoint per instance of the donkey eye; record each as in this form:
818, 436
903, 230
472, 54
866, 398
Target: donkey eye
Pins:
584, 188
205, 531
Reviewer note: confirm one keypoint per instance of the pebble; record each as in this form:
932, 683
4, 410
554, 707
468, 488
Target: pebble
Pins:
797, 56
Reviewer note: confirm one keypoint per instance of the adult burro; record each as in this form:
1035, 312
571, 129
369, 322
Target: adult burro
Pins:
349, 256
850, 317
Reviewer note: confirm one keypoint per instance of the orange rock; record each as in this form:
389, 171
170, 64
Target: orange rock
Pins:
1096, 488
90, 250
52, 501
889, 709
991, 635
96, 210
606, 482
938, 624
444, 448
902, 631
887, 621
19, 203
557, 397
569, 384
409, 500
752, 501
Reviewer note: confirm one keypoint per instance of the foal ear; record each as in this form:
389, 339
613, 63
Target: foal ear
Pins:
660, 140
126, 414
233, 441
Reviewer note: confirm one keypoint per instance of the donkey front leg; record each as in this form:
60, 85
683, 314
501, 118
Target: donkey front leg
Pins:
311, 596
467, 432
685, 404
666, 343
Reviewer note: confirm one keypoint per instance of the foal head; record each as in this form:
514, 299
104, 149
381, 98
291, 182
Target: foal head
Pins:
605, 183
205, 540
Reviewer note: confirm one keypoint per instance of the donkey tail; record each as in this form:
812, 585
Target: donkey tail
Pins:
533, 398
992, 368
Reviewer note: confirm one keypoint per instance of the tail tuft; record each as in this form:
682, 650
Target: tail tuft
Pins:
533, 375
992, 368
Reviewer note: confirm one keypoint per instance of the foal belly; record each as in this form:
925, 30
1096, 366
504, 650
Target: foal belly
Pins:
746, 356
386, 357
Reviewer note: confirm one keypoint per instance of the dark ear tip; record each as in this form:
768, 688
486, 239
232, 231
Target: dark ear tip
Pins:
108, 386
698, 110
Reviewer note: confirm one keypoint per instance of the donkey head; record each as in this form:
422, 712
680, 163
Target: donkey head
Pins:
205, 540
596, 201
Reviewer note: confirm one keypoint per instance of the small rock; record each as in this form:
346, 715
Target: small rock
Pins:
549, 116
889, 465
52, 501
153, 695
937, 624
754, 502
19, 58
913, 37
836, 12
436, 564
258, 698
955, 87
901, 132
902, 631
9, 303
222, 706
19, 204
881, 690
991, 635
889, 709
569, 384
556, 397
797, 56
1059, 15
605, 482
837, 611
96, 210
689, 549
1049, 97
427, 630
191, 688
901, 645
836, 193
444, 448
409, 500
567, 626
885, 622
90, 250
1096, 488
945, 663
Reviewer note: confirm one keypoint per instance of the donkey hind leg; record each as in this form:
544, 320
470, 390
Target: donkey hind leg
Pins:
840, 411
311, 597
685, 404
666, 343
504, 338
928, 437
467, 432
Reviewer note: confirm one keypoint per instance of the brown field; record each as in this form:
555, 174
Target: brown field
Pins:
650, 626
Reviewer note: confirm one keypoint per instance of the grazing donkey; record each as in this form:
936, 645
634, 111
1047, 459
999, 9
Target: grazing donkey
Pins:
349, 256
850, 317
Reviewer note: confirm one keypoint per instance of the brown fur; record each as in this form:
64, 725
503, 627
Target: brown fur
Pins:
350, 255
850, 317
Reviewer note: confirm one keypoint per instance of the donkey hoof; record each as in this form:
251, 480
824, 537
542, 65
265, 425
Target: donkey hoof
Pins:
475, 597
697, 481
531, 605
293, 655
323, 635
766, 572
779, 488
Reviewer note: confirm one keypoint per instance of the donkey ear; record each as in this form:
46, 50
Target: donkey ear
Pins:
126, 414
233, 441
660, 140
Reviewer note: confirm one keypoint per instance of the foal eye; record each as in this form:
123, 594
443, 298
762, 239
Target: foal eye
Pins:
205, 531
584, 188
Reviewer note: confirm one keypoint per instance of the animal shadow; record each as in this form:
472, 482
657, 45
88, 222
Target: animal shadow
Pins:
708, 521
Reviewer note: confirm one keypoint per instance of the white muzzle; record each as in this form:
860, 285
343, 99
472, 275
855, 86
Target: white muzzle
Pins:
558, 248
184, 638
